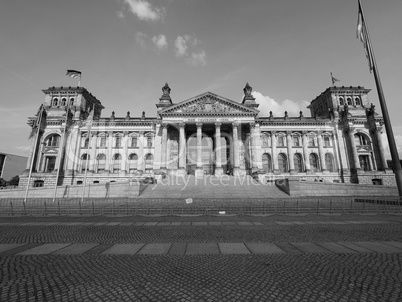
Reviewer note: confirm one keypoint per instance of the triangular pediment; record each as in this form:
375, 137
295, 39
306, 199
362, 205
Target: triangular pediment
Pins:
208, 103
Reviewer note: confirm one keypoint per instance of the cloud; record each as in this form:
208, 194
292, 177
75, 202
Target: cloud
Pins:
145, 11
198, 58
185, 46
397, 130
278, 108
180, 45
141, 39
120, 14
160, 42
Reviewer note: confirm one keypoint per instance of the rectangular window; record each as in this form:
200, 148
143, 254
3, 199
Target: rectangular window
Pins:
149, 141
281, 141
296, 141
311, 141
327, 141
134, 142
118, 141
103, 142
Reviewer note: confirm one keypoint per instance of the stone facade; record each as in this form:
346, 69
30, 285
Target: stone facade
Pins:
207, 134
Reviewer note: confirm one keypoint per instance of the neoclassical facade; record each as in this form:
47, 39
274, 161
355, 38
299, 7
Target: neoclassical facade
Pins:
207, 135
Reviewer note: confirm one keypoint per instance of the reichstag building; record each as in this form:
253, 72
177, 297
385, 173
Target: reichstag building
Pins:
207, 135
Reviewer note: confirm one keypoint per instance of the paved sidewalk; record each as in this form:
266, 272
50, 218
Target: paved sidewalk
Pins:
193, 223
223, 248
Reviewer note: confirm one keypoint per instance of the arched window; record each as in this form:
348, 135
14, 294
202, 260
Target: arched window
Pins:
132, 162
53, 140
341, 101
55, 102
84, 162
329, 162
282, 162
349, 100
364, 162
101, 163
71, 101
314, 165
357, 102
265, 140
149, 161
63, 102
116, 163
361, 140
297, 159
296, 141
266, 163
281, 141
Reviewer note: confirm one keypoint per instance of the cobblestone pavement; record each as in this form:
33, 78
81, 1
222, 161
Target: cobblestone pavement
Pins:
301, 273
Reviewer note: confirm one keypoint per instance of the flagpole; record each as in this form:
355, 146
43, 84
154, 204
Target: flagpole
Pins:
34, 151
86, 162
387, 122
61, 151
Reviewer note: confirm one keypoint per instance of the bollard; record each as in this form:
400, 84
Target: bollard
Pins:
45, 213
58, 206
12, 209
113, 207
93, 208
297, 206
79, 204
25, 210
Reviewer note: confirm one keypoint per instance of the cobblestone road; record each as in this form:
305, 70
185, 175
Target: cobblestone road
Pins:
303, 275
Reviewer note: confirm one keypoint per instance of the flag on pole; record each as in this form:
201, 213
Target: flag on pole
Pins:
74, 74
90, 119
333, 79
362, 35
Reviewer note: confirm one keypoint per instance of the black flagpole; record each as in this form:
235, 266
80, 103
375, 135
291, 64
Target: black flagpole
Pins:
387, 122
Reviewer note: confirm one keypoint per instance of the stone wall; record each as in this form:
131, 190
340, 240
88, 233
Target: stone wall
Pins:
307, 188
119, 190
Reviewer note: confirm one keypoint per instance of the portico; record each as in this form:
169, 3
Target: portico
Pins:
207, 134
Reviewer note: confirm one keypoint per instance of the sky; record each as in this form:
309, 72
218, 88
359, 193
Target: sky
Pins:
128, 49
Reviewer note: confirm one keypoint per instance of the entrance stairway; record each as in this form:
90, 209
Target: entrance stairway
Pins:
211, 187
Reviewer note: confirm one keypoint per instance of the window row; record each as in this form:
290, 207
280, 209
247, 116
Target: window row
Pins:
63, 102
299, 165
116, 163
297, 141
117, 142
350, 101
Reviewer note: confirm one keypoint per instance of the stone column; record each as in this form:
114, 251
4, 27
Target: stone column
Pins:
290, 152
124, 155
199, 171
92, 159
253, 155
236, 150
378, 133
356, 161
141, 155
109, 160
218, 150
274, 155
164, 146
321, 152
182, 150
306, 153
